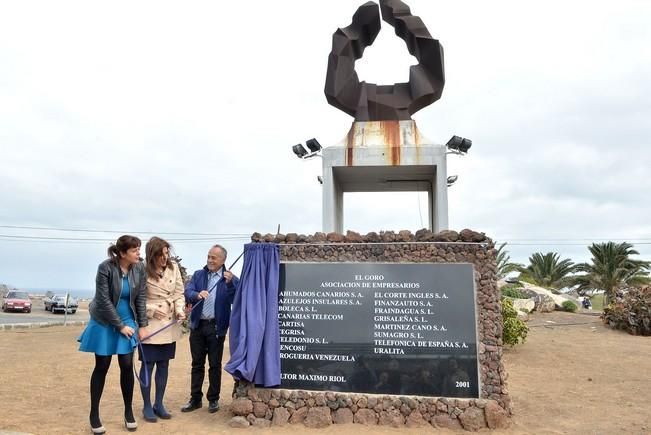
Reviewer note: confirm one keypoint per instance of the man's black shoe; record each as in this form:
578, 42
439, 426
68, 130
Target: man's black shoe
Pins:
213, 406
191, 406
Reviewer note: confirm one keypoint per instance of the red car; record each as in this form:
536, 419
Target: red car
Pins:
17, 301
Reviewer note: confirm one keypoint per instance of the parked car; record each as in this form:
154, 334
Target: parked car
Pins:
57, 303
50, 299
47, 301
17, 301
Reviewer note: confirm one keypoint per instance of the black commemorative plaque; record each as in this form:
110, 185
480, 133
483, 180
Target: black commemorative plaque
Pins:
383, 328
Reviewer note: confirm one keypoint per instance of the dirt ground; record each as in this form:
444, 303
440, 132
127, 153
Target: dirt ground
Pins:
572, 376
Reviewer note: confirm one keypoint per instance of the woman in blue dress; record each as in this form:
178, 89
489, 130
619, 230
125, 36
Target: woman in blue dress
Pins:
117, 313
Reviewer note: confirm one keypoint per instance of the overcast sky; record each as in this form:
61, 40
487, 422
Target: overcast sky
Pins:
178, 117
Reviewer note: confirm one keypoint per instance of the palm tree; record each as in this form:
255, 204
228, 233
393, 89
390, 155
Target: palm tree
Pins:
504, 265
612, 269
547, 270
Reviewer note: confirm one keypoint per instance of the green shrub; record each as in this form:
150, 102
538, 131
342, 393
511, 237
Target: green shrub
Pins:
569, 306
508, 311
513, 292
514, 330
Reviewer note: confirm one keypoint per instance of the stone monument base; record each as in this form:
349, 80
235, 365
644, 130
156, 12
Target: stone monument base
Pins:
262, 407
492, 409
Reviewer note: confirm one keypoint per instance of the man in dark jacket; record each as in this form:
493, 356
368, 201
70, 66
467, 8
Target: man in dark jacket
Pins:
211, 291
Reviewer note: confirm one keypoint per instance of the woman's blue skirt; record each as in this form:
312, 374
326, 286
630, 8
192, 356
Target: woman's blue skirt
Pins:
106, 340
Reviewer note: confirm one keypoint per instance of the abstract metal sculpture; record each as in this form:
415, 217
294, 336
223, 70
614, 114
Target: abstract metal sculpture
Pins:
371, 102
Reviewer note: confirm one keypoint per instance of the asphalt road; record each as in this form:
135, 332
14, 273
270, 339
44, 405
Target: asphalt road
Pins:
39, 314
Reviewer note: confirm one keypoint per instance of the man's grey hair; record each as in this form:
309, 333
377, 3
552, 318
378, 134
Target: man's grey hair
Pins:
222, 249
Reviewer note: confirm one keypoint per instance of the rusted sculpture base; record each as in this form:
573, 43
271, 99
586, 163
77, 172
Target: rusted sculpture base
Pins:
384, 156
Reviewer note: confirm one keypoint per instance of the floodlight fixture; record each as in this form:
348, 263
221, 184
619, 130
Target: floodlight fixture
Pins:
465, 145
314, 149
299, 150
313, 145
452, 179
454, 142
319, 179
459, 145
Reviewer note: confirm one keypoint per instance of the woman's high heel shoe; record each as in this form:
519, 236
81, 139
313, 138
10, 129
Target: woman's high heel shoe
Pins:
98, 430
131, 426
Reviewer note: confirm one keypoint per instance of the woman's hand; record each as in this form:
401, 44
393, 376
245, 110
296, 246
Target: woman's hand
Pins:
180, 315
142, 333
127, 331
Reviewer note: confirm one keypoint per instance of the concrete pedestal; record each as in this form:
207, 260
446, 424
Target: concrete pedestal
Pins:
384, 156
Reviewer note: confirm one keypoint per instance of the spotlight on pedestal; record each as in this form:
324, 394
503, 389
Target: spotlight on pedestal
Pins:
459, 145
314, 149
313, 145
299, 150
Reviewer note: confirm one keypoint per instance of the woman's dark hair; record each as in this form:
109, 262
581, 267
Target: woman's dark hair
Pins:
123, 244
153, 250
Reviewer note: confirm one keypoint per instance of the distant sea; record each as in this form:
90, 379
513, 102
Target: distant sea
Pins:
78, 293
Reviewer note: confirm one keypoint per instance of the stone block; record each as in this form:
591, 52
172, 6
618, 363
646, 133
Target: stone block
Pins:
264, 394
365, 416
260, 409
447, 422
416, 419
299, 415
342, 416
391, 418
280, 417
238, 422
496, 416
473, 419
318, 417
261, 422
242, 407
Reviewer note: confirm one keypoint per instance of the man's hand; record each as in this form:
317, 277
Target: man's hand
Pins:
228, 276
203, 294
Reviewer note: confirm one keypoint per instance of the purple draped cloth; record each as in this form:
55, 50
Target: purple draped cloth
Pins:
254, 337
